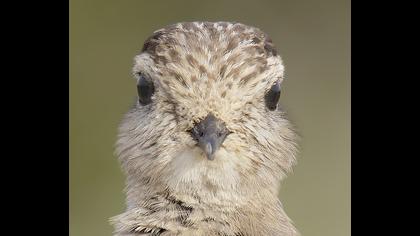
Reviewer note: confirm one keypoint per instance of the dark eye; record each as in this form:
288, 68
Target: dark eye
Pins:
272, 97
145, 90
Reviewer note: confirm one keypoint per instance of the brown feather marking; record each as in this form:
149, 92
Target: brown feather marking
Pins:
244, 80
232, 44
191, 60
160, 60
234, 72
151, 42
202, 69
222, 71
269, 47
174, 54
238, 28
256, 40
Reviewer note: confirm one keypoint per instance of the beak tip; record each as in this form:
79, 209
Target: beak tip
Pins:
209, 151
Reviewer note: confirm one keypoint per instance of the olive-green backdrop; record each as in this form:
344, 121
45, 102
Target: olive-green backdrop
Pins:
313, 37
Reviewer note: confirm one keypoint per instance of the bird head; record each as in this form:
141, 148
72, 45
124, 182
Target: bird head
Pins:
207, 109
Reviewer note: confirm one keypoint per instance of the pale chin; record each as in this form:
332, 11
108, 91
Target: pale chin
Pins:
191, 169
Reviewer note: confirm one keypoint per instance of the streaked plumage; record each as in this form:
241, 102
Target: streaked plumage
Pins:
201, 68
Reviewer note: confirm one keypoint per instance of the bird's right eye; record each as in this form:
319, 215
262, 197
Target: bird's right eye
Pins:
273, 96
145, 90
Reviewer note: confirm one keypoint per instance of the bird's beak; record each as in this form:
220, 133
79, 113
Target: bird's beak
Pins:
210, 134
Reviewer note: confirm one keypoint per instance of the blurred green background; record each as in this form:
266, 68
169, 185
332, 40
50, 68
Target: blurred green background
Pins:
313, 38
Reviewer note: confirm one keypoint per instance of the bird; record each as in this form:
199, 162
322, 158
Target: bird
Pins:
205, 146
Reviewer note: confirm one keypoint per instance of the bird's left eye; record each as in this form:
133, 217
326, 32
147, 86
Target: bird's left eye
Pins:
272, 97
145, 90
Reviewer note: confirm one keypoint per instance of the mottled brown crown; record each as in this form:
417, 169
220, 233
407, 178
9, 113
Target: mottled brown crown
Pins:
221, 60
215, 32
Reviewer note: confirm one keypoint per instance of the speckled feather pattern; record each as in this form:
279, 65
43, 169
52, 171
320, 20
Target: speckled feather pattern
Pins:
199, 68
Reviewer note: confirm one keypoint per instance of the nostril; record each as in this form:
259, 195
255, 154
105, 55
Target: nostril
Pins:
201, 134
219, 134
